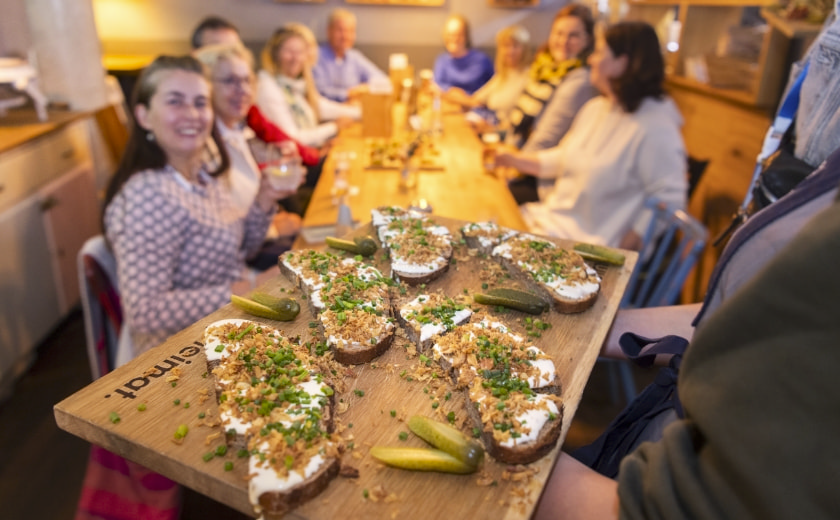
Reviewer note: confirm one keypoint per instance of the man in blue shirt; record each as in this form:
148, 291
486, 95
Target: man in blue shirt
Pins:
342, 71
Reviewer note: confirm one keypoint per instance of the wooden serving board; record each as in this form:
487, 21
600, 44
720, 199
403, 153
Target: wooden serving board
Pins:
171, 381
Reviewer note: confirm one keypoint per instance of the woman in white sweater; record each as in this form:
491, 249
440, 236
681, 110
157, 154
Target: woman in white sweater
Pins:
287, 96
622, 147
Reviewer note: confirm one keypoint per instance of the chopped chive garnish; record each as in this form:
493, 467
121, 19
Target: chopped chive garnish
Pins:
182, 431
246, 331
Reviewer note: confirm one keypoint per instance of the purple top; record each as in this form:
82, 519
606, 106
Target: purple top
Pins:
469, 72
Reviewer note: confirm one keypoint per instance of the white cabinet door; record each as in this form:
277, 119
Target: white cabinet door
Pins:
29, 306
70, 216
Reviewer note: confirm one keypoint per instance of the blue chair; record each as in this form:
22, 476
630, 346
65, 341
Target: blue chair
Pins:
670, 247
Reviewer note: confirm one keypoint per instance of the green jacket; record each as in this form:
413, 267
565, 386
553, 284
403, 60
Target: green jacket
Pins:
761, 390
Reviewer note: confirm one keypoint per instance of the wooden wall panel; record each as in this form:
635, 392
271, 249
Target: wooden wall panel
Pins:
729, 136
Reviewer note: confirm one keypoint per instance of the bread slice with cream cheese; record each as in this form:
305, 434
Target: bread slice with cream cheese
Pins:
428, 316
352, 300
275, 403
418, 247
512, 387
558, 275
484, 236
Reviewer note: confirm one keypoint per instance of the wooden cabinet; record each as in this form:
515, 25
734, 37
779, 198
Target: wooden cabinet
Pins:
48, 208
695, 34
70, 215
729, 136
29, 306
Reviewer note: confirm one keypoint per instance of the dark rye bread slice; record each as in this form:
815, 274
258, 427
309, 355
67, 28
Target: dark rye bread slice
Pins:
524, 453
486, 347
557, 275
501, 373
419, 248
435, 311
351, 300
238, 352
275, 505
484, 236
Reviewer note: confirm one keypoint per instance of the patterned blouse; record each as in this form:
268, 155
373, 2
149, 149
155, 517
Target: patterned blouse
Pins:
178, 246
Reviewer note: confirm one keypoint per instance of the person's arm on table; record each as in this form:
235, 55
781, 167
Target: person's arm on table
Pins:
271, 133
368, 69
574, 491
331, 110
527, 163
543, 164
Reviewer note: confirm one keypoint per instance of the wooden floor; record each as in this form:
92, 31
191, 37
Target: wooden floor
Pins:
41, 466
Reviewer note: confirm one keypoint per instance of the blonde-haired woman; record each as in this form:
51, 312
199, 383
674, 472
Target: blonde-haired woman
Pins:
309, 36
500, 94
287, 96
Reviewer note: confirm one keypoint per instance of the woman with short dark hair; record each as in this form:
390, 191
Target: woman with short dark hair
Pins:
622, 148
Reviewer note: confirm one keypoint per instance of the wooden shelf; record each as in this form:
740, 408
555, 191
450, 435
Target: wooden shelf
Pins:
702, 24
398, 2
739, 96
790, 28
513, 3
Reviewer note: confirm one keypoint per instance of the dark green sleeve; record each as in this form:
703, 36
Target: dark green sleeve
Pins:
761, 388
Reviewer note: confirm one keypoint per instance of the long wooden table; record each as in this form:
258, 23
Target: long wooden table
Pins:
461, 189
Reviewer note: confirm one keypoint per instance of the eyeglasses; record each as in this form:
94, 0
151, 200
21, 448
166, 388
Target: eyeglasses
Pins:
235, 81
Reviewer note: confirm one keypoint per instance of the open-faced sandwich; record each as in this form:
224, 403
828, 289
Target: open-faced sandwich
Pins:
558, 275
512, 386
429, 315
484, 236
351, 298
419, 248
276, 404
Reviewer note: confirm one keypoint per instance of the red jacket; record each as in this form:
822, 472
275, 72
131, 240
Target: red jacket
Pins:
271, 133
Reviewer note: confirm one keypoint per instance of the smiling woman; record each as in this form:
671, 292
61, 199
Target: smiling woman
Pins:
286, 92
179, 240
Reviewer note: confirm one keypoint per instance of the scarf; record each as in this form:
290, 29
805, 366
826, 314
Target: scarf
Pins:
294, 90
545, 75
